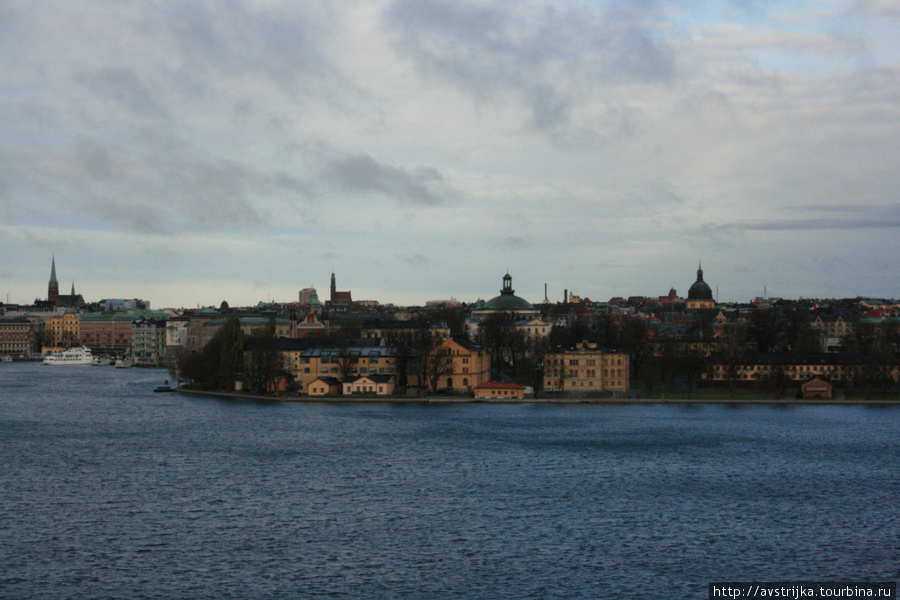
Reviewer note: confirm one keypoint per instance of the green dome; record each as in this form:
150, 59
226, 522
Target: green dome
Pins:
507, 300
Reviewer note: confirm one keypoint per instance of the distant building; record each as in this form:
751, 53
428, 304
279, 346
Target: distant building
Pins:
113, 304
149, 339
379, 385
17, 337
339, 297
53, 286
469, 364
62, 331
495, 390
306, 294
324, 386
817, 387
700, 296
54, 298
587, 368
526, 317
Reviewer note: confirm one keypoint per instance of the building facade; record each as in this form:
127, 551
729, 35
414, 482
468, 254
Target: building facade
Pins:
457, 364
18, 338
587, 368
62, 331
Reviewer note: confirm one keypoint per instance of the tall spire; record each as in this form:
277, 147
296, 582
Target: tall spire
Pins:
53, 269
53, 286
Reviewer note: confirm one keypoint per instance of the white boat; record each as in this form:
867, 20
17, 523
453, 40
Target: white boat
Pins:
102, 361
73, 356
126, 362
6, 358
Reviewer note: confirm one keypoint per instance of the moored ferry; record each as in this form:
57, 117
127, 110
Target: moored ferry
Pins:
73, 356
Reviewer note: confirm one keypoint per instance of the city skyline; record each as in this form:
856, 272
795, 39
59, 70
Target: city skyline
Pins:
190, 153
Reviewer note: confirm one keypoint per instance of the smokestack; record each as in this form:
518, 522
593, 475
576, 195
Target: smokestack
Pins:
565, 296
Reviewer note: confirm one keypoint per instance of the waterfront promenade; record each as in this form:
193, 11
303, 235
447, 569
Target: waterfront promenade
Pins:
452, 399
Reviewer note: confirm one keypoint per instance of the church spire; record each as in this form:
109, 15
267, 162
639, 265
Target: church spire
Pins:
53, 286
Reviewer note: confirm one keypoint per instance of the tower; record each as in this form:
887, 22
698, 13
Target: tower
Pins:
700, 295
53, 287
333, 288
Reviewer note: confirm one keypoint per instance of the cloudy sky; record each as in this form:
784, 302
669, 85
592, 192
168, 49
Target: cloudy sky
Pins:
194, 152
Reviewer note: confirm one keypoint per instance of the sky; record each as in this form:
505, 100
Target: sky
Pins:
188, 153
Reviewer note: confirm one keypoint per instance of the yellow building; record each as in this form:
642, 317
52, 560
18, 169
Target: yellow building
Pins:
309, 359
587, 368
467, 364
494, 390
62, 331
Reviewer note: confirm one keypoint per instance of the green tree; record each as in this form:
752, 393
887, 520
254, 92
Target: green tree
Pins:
263, 360
219, 363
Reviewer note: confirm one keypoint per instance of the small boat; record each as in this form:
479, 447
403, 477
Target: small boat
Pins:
6, 358
126, 362
102, 361
164, 388
73, 357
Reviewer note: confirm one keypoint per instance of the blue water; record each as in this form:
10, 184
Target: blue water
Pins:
108, 490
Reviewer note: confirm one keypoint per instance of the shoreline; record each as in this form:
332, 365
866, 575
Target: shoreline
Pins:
457, 400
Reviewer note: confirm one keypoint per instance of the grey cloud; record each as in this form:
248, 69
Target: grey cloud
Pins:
414, 260
553, 57
124, 87
234, 39
361, 174
182, 190
885, 11
815, 224
516, 243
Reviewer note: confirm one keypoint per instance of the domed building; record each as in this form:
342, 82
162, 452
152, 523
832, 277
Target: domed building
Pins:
526, 317
700, 295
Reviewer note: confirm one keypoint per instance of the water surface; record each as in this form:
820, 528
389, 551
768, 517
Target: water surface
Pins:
108, 490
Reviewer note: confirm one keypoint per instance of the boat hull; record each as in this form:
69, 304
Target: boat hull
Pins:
73, 357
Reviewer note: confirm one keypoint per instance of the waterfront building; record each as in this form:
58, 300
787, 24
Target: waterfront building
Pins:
817, 387
309, 359
111, 332
107, 332
468, 364
380, 385
324, 386
176, 337
149, 339
18, 337
495, 390
587, 368
62, 331
836, 367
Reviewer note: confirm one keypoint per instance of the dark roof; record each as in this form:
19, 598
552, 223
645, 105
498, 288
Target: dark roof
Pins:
700, 290
375, 378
